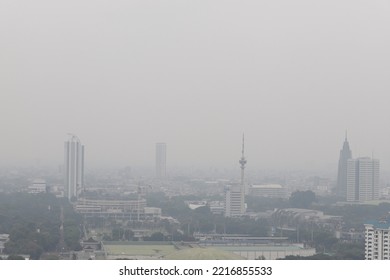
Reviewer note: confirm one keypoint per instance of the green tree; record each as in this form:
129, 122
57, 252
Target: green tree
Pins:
15, 257
302, 199
156, 236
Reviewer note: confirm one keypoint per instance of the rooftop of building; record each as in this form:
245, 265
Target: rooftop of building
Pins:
379, 224
267, 186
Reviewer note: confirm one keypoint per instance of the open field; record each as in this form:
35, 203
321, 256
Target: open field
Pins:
202, 254
149, 250
169, 251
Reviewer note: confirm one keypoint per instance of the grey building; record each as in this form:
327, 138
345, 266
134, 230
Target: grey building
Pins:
345, 155
363, 179
161, 160
73, 167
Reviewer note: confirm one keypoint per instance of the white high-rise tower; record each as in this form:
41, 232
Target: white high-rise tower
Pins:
362, 179
161, 160
73, 167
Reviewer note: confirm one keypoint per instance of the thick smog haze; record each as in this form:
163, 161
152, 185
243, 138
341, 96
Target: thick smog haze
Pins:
124, 75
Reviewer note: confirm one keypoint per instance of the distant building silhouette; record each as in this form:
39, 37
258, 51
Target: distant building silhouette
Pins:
362, 179
161, 160
345, 155
73, 167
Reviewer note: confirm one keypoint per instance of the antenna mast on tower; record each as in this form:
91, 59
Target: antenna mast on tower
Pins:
242, 160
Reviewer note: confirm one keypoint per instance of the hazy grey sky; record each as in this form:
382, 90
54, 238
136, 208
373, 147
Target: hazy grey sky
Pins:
123, 75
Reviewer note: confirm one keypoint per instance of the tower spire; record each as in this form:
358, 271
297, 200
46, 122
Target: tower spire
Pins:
242, 160
243, 143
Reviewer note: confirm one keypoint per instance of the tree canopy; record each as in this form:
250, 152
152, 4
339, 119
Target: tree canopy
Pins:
302, 199
33, 223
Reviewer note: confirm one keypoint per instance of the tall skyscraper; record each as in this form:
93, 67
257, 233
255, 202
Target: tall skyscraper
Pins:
73, 167
161, 160
345, 155
362, 179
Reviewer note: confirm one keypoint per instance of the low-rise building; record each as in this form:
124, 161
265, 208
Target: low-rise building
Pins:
217, 207
37, 186
294, 217
269, 190
131, 210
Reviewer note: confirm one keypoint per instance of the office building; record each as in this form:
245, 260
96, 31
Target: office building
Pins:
345, 155
38, 186
377, 240
234, 201
161, 160
362, 179
73, 167
269, 190
129, 210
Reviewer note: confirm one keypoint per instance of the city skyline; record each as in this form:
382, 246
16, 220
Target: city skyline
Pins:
292, 78
152, 163
211, 130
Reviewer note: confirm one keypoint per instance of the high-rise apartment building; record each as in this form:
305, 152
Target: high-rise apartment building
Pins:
362, 179
234, 201
161, 160
73, 167
345, 155
377, 240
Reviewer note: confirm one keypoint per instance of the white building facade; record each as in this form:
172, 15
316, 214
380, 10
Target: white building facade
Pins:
377, 240
161, 160
73, 167
269, 190
234, 200
362, 179
38, 186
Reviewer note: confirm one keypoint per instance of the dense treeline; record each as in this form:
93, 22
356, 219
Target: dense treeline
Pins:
202, 220
344, 251
355, 216
33, 223
298, 199
312, 234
